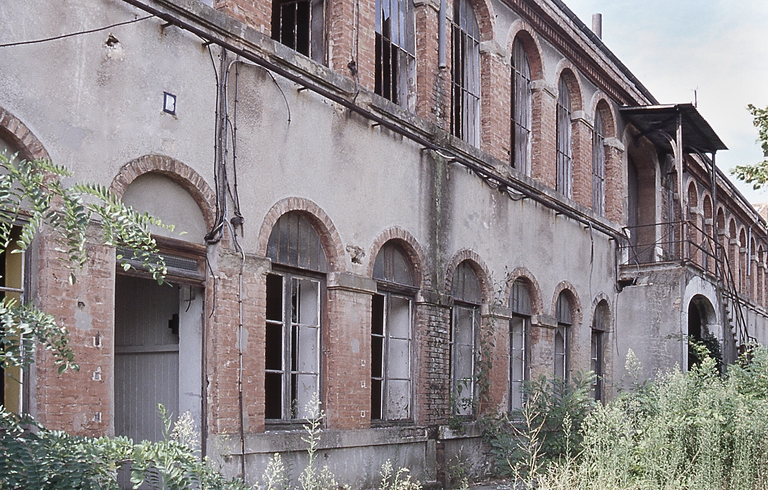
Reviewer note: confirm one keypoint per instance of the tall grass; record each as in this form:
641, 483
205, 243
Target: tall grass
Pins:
695, 430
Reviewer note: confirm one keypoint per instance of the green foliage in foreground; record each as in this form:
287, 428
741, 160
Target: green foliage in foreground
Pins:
33, 196
695, 430
32, 456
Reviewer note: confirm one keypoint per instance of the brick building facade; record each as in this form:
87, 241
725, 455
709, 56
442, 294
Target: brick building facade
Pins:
406, 207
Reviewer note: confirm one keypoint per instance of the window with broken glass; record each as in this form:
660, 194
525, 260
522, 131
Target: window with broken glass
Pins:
519, 328
598, 165
391, 335
467, 297
295, 292
564, 144
465, 73
521, 109
597, 362
298, 24
395, 50
564, 321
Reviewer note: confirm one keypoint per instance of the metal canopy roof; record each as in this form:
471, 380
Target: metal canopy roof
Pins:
654, 121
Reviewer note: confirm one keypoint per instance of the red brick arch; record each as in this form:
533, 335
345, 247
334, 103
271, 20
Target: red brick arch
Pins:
524, 32
573, 296
329, 236
480, 268
537, 304
18, 135
410, 246
176, 171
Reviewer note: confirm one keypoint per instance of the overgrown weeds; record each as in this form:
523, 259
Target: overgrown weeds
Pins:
695, 430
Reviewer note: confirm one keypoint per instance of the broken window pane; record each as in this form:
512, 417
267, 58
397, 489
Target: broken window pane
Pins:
297, 348
598, 165
465, 73
395, 50
465, 324
295, 242
564, 144
518, 334
522, 101
298, 24
392, 265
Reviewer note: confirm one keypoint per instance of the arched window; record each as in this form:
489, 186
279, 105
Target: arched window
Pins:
395, 50
298, 24
564, 145
391, 335
521, 108
564, 321
598, 165
295, 291
467, 296
465, 73
599, 333
519, 328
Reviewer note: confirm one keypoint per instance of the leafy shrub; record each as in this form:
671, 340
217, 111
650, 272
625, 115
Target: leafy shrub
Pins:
546, 429
695, 430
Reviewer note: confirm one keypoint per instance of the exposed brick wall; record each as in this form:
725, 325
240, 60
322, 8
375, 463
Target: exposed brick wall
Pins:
79, 402
498, 375
432, 87
254, 13
582, 162
433, 361
544, 132
222, 363
20, 136
495, 83
347, 359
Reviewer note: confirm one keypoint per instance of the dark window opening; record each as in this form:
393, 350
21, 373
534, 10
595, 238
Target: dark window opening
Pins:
293, 316
298, 24
467, 295
391, 336
522, 108
564, 321
564, 141
519, 350
598, 165
395, 50
465, 73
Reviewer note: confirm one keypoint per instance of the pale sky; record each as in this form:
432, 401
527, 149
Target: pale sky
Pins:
719, 47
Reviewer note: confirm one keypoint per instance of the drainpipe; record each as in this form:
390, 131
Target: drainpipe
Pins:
441, 34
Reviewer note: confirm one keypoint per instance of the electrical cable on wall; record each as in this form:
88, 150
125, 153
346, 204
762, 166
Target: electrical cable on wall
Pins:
73, 34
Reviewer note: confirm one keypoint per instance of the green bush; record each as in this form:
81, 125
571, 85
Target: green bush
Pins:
695, 430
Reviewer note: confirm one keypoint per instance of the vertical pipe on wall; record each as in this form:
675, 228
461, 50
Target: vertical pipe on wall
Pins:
441, 34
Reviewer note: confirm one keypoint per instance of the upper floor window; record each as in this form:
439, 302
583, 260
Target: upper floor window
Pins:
391, 335
564, 145
564, 321
521, 109
467, 297
519, 328
295, 291
598, 165
395, 50
299, 25
465, 73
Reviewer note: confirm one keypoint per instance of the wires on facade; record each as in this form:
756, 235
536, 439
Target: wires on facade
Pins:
73, 34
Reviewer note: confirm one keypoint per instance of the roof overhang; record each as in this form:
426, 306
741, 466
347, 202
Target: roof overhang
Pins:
659, 124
